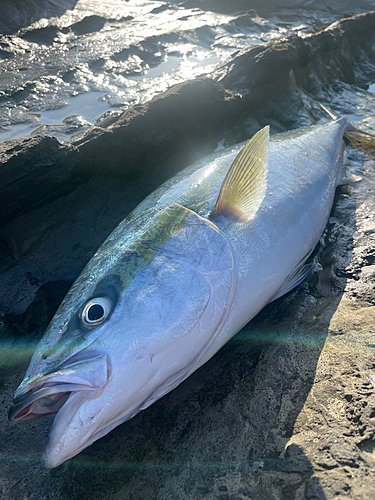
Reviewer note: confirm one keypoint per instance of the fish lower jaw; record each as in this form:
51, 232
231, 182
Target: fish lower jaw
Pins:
53, 455
70, 435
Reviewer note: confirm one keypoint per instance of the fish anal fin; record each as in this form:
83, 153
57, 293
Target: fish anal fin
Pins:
245, 184
294, 279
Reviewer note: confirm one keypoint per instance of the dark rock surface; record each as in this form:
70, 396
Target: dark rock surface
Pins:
286, 409
33, 169
182, 123
343, 51
16, 14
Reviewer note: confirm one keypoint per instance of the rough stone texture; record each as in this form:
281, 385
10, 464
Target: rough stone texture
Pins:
286, 410
335, 429
17, 14
33, 169
177, 126
343, 51
266, 7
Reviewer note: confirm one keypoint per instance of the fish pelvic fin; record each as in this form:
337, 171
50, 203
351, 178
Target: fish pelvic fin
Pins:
245, 184
351, 179
294, 279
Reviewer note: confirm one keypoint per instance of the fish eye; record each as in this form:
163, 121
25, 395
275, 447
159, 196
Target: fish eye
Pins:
95, 312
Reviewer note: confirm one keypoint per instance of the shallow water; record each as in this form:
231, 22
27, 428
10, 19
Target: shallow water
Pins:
58, 75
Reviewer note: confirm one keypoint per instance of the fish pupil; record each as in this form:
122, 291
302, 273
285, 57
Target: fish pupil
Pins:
95, 312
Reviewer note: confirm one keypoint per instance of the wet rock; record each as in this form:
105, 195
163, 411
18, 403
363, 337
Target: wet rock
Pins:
17, 14
42, 36
88, 25
30, 173
338, 47
266, 7
252, 20
220, 5
148, 55
287, 408
162, 8
5, 54
183, 122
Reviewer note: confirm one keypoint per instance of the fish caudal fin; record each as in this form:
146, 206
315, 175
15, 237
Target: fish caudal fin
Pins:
358, 139
245, 184
361, 140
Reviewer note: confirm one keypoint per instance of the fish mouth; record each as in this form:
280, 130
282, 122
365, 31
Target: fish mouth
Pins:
41, 403
40, 396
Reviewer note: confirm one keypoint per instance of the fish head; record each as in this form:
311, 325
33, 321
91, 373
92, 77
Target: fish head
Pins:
135, 324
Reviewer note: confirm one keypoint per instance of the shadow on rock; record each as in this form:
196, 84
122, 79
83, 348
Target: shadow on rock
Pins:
21, 13
227, 432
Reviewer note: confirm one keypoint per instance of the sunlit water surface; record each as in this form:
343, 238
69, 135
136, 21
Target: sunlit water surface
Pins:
58, 75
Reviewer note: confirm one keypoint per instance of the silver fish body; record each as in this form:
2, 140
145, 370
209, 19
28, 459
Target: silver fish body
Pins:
169, 287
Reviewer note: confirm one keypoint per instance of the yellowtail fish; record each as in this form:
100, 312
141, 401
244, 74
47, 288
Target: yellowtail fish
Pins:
182, 274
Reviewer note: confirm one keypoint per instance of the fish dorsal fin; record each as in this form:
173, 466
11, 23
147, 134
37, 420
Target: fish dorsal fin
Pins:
245, 184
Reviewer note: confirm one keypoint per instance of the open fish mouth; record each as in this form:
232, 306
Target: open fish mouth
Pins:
41, 403
43, 396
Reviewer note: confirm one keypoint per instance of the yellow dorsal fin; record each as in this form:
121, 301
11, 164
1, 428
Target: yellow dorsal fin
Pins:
245, 184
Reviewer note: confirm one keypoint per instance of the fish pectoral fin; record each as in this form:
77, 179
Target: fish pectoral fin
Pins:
294, 279
245, 184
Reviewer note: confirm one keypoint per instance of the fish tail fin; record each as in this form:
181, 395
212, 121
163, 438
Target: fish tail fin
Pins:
358, 139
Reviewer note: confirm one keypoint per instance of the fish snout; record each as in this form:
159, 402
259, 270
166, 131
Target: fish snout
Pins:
28, 385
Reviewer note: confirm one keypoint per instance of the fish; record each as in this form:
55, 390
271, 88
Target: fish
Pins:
191, 265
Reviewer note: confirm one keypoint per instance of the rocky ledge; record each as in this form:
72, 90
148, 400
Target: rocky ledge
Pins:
287, 409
